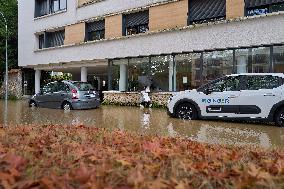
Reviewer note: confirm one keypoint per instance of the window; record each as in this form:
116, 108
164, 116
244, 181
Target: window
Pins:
41, 41
51, 39
159, 70
49, 88
201, 11
45, 7
217, 64
278, 59
136, 23
261, 82
253, 60
259, 7
223, 84
138, 74
95, 30
188, 71
63, 87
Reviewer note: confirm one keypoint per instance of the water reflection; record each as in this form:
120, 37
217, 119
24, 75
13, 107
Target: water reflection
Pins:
146, 121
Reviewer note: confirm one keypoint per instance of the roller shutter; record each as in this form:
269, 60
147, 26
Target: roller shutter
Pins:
136, 19
96, 26
206, 9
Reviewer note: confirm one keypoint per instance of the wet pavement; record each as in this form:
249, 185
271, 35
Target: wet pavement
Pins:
147, 121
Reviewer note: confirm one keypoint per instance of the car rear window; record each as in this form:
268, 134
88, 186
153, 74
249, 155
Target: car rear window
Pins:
83, 86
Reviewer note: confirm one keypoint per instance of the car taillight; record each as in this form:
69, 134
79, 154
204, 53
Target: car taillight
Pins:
75, 94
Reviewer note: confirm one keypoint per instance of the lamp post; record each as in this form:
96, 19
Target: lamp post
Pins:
6, 65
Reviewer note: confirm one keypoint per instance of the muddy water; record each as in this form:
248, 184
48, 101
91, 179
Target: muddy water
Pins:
155, 122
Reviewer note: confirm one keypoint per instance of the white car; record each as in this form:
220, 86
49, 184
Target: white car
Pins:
237, 96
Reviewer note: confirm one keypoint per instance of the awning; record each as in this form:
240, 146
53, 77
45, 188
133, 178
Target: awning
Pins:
96, 26
206, 9
257, 3
138, 18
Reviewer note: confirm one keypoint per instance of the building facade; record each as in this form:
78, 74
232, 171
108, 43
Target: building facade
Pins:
170, 45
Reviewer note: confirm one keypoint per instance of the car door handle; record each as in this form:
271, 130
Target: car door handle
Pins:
269, 94
232, 96
214, 109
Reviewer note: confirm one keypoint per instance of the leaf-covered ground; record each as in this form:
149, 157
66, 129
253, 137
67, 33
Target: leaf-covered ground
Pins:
83, 157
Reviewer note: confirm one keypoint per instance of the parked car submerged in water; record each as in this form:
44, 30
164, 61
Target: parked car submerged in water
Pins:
66, 95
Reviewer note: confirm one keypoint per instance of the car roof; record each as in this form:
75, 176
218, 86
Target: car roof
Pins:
255, 74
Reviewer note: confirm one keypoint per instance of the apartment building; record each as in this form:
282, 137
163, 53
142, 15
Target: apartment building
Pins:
171, 45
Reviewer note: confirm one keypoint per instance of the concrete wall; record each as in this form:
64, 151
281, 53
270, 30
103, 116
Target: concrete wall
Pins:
28, 25
14, 84
242, 33
168, 16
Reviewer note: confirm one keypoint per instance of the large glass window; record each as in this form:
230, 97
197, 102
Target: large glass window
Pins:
217, 64
278, 59
253, 60
138, 74
160, 72
188, 71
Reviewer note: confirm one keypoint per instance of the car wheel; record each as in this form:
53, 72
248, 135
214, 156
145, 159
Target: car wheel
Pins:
66, 106
32, 104
279, 118
186, 111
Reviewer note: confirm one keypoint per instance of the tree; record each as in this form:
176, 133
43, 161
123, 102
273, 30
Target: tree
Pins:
10, 9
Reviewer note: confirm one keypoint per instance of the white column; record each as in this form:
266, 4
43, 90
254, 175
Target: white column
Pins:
84, 74
172, 75
37, 81
123, 77
241, 64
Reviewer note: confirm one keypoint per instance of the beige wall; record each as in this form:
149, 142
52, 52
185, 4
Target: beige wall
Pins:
74, 33
113, 26
168, 16
235, 9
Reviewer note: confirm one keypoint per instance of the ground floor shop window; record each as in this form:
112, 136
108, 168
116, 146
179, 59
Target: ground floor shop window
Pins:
183, 71
138, 72
253, 60
159, 70
278, 59
188, 71
217, 64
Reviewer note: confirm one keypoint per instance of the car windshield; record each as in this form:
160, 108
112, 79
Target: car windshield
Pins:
83, 86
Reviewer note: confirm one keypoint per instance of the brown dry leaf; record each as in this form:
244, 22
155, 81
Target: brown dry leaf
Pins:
123, 162
15, 161
135, 177
253, 171
82, 174
159, 184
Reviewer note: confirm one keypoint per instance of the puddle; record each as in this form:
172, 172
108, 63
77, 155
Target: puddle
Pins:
147, 121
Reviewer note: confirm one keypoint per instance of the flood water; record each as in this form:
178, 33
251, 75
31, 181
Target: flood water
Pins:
147, 121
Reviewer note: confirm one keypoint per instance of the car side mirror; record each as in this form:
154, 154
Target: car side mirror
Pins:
208, 91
